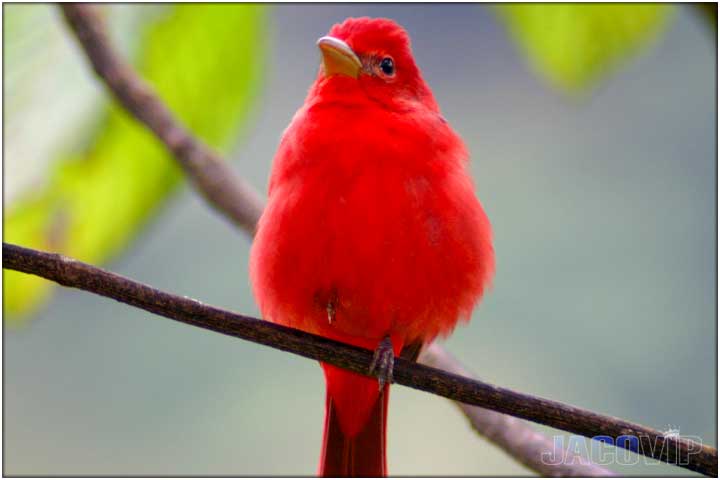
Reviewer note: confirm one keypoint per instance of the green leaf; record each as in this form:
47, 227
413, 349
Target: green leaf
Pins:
206, 63
574, 45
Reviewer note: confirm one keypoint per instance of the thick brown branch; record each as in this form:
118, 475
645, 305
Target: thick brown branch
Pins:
72, 273
212, 177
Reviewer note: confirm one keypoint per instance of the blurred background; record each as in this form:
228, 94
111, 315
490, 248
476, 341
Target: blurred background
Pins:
599, 179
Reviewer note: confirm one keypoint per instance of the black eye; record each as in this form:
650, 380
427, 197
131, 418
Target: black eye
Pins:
387, 66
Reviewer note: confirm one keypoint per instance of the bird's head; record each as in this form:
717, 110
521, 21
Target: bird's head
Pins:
372, 57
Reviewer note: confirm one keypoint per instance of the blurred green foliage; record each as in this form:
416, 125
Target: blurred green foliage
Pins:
206, 62
574, 45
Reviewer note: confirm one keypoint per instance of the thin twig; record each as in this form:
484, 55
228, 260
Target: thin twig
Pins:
227, 193
212, 177
72, 273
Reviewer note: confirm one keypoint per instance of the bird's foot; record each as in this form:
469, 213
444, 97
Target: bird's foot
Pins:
383, 362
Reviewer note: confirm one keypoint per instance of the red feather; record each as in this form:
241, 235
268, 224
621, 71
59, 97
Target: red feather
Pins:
371, 210
360, 453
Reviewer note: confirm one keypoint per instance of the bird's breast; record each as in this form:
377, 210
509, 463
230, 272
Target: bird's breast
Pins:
368, 235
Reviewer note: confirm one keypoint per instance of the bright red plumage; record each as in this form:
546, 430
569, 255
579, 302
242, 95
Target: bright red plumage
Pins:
370, 210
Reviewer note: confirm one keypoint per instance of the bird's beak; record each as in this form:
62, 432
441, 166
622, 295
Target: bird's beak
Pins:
338, 58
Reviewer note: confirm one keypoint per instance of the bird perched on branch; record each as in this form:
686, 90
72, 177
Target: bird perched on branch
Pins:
372, 234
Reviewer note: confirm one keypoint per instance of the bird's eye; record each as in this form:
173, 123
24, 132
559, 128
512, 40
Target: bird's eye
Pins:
387, 66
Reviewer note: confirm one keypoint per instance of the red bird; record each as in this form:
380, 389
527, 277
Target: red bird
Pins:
372, 233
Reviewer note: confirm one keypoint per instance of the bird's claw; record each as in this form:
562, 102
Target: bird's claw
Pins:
383, 362
331, 312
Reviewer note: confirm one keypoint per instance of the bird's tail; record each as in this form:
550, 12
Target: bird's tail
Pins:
359, 455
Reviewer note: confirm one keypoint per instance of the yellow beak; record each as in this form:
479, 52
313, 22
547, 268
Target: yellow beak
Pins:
338, 58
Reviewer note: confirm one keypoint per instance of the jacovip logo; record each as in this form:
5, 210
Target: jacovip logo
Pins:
623, 450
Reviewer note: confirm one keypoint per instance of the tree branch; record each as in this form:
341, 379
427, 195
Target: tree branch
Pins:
227, 193
72, 273
212, 177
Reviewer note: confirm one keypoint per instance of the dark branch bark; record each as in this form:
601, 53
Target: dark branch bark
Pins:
212, 177
75, 274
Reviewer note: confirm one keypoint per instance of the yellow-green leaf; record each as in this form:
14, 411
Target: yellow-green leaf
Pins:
574, 45
206, 63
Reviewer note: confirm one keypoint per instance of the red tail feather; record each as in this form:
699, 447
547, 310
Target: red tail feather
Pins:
362, 455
